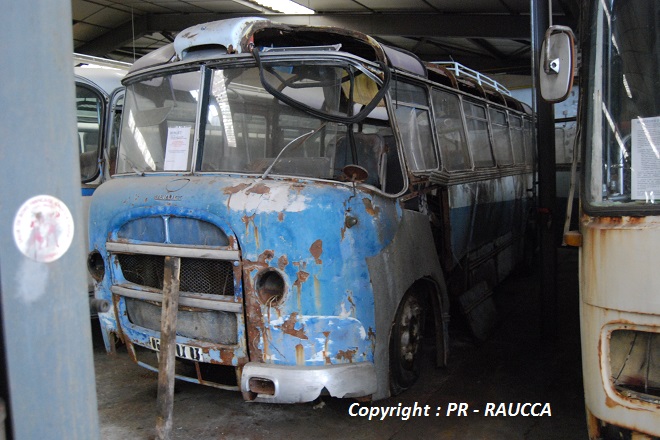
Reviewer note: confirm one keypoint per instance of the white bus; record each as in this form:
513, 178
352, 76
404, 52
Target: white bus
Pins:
619, 237
99, 99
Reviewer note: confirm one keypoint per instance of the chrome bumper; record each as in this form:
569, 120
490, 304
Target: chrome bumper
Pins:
295, 384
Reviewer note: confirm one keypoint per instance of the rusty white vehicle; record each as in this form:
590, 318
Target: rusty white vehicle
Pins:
619, 236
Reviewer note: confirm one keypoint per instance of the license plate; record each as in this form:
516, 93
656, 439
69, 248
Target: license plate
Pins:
182, 350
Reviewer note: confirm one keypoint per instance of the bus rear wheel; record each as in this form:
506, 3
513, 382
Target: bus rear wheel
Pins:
406, 341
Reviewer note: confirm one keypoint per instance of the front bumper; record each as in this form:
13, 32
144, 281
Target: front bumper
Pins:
295, 384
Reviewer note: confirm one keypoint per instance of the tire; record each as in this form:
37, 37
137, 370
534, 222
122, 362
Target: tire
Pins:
406, 341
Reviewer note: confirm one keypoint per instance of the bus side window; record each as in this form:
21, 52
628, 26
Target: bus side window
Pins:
478, 138
501, 141
451, 133
414, 123
517, 141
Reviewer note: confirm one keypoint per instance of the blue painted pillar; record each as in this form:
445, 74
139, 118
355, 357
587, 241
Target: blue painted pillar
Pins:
47, 371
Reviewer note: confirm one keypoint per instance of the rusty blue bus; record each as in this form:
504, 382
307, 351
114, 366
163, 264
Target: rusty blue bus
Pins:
325, 196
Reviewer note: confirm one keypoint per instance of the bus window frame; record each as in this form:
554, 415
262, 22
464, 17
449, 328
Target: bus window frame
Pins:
489, 134
587, 136
469, 166
102, 99
505, 128
425, 87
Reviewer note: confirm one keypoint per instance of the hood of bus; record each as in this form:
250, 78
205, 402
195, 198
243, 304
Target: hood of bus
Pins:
318, 235
285, 217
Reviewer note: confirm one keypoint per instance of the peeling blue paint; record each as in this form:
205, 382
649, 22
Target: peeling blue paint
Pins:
296, 227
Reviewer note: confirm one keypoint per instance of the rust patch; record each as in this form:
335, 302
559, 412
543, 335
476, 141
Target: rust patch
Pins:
316, 249
234, 189
636, 220
259, 188
247, 219
325, 348
610, 403
346, 355
282, 262
131, 351
593, 425
231, 190
349, 297
280, 216
266, 256
115, 306
371, 210
300, 355
227, 357
256, 330
302, 277
288, 327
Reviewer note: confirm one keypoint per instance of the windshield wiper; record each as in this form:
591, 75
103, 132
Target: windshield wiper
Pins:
133, 167
362, 114
294, 142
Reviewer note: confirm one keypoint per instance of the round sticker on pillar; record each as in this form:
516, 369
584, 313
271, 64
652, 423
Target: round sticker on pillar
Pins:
43, 228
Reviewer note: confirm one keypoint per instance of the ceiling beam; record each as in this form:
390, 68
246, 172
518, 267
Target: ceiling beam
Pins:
120, 36
489, 48
419, 25
429, 24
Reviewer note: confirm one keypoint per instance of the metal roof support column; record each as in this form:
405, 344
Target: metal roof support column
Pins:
548, 220
46, 366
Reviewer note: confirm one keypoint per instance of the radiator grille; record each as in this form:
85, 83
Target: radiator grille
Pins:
198, 275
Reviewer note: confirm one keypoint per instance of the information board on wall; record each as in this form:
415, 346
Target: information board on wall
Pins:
645, 146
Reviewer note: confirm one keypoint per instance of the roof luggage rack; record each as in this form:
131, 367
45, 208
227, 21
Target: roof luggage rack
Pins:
460, 70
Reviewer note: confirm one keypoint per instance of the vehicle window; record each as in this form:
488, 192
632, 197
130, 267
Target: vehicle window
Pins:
89, 113
501, 141
414, 121
478, 137
450, 130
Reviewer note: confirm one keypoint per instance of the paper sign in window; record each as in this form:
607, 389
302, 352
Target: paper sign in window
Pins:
645, 139
176, 150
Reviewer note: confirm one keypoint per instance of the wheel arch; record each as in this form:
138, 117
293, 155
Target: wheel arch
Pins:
409, 260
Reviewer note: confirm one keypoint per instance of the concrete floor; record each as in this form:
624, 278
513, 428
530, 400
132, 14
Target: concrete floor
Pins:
513, 366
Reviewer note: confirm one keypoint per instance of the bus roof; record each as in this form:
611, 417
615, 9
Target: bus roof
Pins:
241, 35
104, 73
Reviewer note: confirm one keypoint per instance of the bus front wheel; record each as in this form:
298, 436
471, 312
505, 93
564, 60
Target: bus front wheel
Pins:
406, 341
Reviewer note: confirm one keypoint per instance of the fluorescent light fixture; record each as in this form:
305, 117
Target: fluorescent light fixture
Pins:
285, 6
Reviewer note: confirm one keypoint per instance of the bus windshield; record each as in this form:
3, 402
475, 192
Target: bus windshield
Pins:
247, 128
623, 126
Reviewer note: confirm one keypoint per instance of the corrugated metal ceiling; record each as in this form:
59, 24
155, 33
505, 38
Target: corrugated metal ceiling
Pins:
492, 36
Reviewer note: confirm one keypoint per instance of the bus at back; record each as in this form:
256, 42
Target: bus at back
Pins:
99, 99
